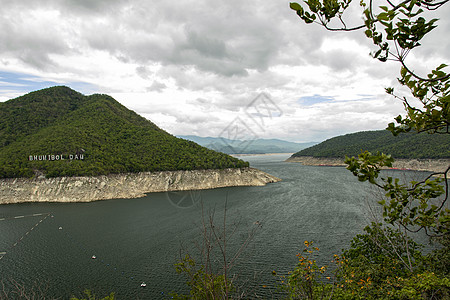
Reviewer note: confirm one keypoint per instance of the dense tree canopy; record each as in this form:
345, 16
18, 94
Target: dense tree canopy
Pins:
109, 137
408, 145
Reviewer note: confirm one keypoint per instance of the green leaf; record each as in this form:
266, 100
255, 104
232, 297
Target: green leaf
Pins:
403, 72
383, 17
295, 6
441, 67
435, 114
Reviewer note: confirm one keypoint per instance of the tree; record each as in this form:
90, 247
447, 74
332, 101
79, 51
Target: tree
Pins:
209, 273
395, 30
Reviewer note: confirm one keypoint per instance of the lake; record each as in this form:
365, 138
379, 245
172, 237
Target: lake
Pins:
52, 245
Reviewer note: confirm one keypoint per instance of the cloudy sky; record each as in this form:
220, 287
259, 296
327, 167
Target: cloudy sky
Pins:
210, 68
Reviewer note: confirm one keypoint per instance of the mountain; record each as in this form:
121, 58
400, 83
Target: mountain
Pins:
258, 146
60, 132
407, 145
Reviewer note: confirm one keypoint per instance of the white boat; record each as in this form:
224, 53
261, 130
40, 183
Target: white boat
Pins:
143, 284
94, 257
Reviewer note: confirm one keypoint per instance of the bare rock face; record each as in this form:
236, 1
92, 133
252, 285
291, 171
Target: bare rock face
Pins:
132, 185
431, 165
317, 161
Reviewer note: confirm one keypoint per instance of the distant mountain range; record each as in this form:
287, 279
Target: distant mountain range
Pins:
407, 145
257, 146
60, 132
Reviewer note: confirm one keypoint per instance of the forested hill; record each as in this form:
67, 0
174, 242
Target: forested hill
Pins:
409, 145
60, 132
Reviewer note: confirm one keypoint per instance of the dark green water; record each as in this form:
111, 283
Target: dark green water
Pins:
139, 240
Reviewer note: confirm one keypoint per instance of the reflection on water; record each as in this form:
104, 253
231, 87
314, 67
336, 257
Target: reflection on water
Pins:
139, 240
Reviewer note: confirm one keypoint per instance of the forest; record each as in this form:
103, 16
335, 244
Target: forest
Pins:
409, 145
111, 138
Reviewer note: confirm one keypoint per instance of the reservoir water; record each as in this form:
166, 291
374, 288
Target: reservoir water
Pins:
52, 245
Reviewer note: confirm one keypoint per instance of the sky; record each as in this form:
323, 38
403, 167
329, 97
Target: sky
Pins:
233, 69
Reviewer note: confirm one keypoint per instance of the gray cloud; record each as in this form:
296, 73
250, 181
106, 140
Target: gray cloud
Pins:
89, 5
341, 60
204, 45
202, 103
157, 86
31, 42
224, 38
221, 38
221, 54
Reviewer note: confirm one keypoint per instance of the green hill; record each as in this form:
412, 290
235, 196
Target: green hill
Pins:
409, 145
27, 114
60, 132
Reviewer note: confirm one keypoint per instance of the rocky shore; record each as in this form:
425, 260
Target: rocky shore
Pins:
431, 165
133, 185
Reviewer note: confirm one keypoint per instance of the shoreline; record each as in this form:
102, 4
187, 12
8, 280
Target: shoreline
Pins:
126, 186
426, 164
260, 154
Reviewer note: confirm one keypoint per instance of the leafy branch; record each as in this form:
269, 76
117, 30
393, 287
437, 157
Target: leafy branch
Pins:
419, 205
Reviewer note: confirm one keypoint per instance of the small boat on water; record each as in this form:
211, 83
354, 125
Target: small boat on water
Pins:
143, 284
94, 257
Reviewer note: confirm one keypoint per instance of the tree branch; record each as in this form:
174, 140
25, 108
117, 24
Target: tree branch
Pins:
401, 60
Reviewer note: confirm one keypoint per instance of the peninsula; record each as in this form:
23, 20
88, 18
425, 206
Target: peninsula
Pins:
411, 151
59, 145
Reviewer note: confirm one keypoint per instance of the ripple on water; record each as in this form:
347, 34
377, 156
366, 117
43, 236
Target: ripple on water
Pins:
139, 240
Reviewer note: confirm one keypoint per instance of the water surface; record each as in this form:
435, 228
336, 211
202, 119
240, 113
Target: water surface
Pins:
140, 240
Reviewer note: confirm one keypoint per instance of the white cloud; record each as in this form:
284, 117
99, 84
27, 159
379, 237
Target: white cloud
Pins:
193, 66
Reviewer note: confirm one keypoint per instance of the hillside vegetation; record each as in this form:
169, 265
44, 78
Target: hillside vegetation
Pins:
406, 145
105, 136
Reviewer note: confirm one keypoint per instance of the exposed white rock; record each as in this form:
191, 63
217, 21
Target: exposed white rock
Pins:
431, 165
132, 185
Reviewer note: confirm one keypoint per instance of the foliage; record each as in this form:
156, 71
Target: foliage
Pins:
395, 30
381, 243
438, 260
209, 275
26, 115
434, 95
408, 145
91, 296
13, 289
202, 284
111, 138
377, 256
419, 205
304, 282
424, 285
384, 263
381, 263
